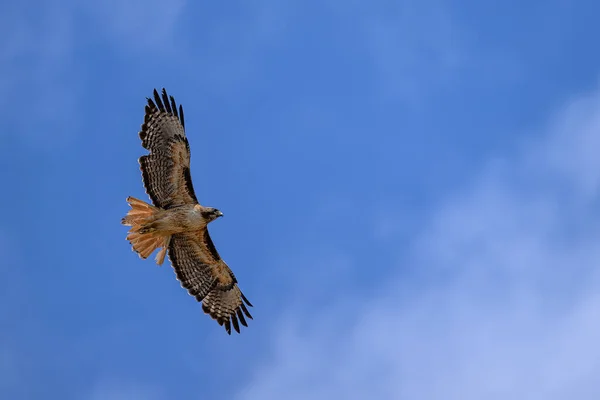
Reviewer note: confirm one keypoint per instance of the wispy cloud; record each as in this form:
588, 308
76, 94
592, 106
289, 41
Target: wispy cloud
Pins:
42, 78
502, 301
420, 48
414, 46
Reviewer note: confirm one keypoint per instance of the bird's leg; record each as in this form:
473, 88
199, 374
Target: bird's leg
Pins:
161, 222
148, 228
153, 222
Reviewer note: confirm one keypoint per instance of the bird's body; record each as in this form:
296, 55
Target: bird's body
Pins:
185, 218
177, 223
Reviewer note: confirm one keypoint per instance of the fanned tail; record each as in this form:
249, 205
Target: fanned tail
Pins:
142, 242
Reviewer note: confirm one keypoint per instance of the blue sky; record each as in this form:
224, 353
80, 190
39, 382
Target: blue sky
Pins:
411, 194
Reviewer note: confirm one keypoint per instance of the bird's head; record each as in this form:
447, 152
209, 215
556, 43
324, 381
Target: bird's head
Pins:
210, 214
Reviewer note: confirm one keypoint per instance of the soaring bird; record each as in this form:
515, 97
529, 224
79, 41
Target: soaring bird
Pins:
176, 223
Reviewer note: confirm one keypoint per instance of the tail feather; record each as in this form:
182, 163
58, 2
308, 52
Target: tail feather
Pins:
144, 243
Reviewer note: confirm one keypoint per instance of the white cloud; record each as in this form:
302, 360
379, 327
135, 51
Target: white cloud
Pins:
575, 156
503, 299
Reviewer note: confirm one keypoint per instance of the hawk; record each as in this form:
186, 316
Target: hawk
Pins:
176, 223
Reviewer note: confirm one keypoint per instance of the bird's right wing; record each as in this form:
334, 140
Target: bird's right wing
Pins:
207, 277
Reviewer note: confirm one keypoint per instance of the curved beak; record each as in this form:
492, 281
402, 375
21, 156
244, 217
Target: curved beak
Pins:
219, 214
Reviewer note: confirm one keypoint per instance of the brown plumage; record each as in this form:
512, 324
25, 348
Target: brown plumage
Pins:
177, 223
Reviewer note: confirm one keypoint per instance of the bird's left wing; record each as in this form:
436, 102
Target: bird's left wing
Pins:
207, 277
166, 170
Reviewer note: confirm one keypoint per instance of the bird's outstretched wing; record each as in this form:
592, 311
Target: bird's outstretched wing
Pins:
166, 170
207, 277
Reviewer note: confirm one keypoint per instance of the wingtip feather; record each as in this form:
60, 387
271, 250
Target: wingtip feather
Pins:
246, 300
235, 323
